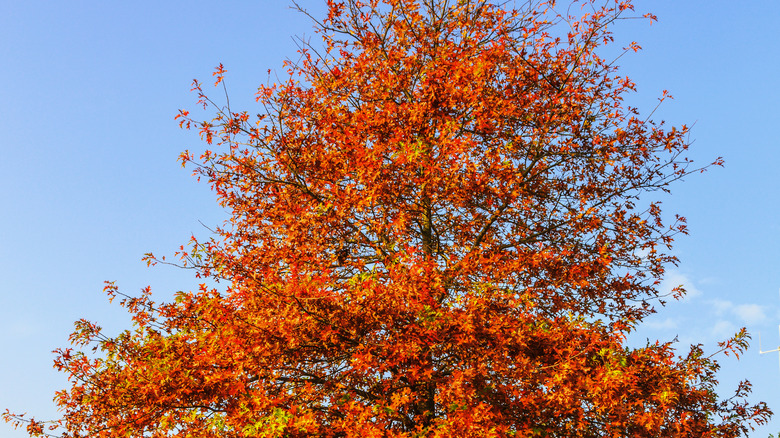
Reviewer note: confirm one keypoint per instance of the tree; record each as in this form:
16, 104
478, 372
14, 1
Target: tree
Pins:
440, 226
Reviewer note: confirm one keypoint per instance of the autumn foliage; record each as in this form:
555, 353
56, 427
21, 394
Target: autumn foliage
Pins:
442, 224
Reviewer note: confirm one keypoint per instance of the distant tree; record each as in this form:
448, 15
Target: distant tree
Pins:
441, 226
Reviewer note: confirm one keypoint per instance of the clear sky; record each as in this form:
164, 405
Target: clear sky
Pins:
89, 180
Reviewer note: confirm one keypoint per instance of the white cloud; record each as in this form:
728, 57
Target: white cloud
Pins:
723, 329
666, 324
750, 313
706, 320
721, 306
675, 279
708, 280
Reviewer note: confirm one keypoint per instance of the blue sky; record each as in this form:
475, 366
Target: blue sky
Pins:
89, 179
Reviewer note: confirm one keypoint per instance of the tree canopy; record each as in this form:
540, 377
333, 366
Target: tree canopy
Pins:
442, 223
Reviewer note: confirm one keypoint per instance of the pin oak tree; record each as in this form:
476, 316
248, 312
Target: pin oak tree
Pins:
442, 224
